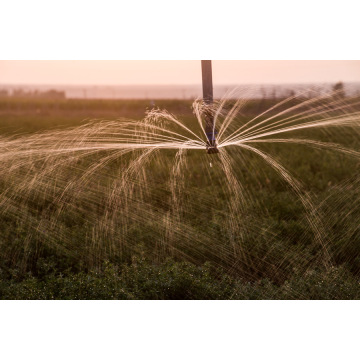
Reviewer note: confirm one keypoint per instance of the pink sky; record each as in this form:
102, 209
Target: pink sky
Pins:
123, 72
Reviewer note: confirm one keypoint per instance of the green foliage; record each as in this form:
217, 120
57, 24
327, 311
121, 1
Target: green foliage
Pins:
176, 281
274, 257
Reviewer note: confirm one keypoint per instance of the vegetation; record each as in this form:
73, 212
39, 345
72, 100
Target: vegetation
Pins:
275, 257
174, 281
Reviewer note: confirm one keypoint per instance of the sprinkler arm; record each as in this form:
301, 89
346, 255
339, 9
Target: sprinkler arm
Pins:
208, 99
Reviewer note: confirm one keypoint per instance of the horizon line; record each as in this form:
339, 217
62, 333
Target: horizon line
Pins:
188, 84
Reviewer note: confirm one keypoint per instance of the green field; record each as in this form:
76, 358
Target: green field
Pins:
61, 250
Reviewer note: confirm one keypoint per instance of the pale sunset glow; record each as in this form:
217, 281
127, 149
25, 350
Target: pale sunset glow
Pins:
175, 72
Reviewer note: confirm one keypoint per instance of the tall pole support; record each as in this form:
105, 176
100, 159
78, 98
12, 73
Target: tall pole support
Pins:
207, 82
208, 97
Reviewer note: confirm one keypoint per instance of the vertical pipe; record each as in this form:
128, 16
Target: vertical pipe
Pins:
207, 81
208, 97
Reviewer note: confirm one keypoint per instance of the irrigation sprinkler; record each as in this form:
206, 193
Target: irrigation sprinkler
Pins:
208, 99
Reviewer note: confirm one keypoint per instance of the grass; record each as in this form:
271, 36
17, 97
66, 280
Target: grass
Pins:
173, 281
278, 259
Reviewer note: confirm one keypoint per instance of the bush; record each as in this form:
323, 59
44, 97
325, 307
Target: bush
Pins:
178, 281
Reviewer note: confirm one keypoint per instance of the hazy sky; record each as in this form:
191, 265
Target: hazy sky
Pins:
123, 72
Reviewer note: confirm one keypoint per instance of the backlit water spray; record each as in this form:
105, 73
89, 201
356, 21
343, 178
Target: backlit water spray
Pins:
115, 189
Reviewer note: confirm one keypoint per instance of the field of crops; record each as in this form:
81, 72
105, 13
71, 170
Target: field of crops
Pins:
86, 246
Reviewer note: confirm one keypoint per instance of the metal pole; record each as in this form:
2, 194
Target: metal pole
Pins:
207, 81
208, 99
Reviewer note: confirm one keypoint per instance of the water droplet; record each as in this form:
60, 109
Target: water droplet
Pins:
210, 164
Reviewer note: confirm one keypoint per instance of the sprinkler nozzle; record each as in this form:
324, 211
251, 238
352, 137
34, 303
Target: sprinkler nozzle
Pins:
212, 150
211, 146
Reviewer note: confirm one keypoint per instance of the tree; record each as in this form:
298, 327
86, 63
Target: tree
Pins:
338, 90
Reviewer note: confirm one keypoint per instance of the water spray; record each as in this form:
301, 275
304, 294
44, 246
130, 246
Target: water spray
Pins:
210, 130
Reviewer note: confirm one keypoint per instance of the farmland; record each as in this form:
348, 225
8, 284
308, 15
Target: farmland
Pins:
154, 251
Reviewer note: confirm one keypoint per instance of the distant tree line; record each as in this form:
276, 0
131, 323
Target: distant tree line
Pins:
274, 93
337, 91
20, 93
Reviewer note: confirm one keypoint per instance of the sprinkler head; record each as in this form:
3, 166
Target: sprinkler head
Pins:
212, 150
211, 146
